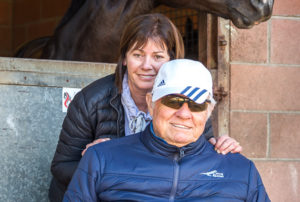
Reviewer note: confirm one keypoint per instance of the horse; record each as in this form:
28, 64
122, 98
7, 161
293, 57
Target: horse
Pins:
90, 30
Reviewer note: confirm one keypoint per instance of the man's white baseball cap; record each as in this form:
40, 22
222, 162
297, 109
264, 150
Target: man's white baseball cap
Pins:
185, 77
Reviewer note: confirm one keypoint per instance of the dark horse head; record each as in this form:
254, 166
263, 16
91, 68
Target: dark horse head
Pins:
91, 29
243, 13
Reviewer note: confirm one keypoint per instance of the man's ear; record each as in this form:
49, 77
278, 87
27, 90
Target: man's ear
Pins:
210, 108
149, 103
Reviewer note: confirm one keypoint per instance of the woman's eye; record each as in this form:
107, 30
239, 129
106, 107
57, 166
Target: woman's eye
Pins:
158, 57
137, 55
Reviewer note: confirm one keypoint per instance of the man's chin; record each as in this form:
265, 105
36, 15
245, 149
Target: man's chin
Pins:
182, 140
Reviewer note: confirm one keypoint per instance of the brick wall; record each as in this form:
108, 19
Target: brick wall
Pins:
24, 20
265, 94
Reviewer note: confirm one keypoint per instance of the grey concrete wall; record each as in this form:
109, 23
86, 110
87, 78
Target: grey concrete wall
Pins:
30, 120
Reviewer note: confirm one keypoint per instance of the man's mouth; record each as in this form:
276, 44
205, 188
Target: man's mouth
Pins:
181, 126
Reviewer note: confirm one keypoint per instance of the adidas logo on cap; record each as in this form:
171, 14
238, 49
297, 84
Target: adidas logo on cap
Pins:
162, 83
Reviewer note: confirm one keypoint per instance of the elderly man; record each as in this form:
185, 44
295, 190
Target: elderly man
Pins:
170, 160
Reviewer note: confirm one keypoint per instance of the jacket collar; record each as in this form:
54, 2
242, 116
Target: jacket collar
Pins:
156, 145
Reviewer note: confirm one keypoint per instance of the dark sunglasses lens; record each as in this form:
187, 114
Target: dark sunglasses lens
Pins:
176, 102
194, 107
172, 101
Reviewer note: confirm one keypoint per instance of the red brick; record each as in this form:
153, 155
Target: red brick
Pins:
250, 129
285, 41
26, 11
249, 45
41, 29
5, 13
285, 135
265, 88
54, 8
5, 39
283, 7
281, 179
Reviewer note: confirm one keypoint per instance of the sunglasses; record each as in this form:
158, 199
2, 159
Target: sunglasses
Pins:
176, 102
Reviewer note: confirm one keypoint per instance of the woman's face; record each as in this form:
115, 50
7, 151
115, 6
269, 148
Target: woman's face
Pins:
143, 64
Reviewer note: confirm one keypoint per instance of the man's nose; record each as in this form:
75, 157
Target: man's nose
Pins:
184, 111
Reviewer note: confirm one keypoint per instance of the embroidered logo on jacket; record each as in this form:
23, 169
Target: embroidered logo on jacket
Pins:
213, 173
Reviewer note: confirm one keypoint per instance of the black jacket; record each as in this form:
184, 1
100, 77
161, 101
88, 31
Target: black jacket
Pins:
142, 167
95, 112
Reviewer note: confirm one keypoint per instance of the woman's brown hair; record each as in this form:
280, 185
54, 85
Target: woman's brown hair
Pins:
150, 26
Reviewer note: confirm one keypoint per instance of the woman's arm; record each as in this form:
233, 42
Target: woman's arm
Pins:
76, 133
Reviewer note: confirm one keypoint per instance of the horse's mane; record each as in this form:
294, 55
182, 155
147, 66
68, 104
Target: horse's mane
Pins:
74, 7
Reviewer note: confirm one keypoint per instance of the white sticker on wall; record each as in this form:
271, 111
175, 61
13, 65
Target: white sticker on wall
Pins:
67, 96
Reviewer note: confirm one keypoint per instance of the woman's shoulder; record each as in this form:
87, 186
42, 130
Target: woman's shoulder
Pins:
106, 82
99, 91
101, 87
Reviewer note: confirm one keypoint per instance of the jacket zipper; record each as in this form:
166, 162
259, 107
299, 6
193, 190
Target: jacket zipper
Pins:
112, 104
176, 159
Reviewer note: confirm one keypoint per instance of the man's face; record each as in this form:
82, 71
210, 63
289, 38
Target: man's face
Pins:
178, 127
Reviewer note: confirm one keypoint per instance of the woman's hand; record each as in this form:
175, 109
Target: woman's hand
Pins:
93, 143
225, 144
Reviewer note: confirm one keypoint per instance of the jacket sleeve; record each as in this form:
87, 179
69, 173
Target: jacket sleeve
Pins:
256, 189
208, 130
76, 133
84, 184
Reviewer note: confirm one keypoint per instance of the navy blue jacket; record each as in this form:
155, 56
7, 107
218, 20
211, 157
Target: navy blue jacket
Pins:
142, 167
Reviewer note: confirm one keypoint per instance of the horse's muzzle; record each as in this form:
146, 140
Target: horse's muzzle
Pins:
264, 9
260, 11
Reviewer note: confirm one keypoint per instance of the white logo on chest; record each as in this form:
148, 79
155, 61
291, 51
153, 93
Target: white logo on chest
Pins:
213, 173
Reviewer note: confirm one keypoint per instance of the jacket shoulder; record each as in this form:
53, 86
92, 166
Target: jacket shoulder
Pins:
230, 162
237, 161
99, 91
100, 86
235, 157
119, 143
103, 82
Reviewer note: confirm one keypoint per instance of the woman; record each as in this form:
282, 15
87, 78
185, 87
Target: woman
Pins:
115, 106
